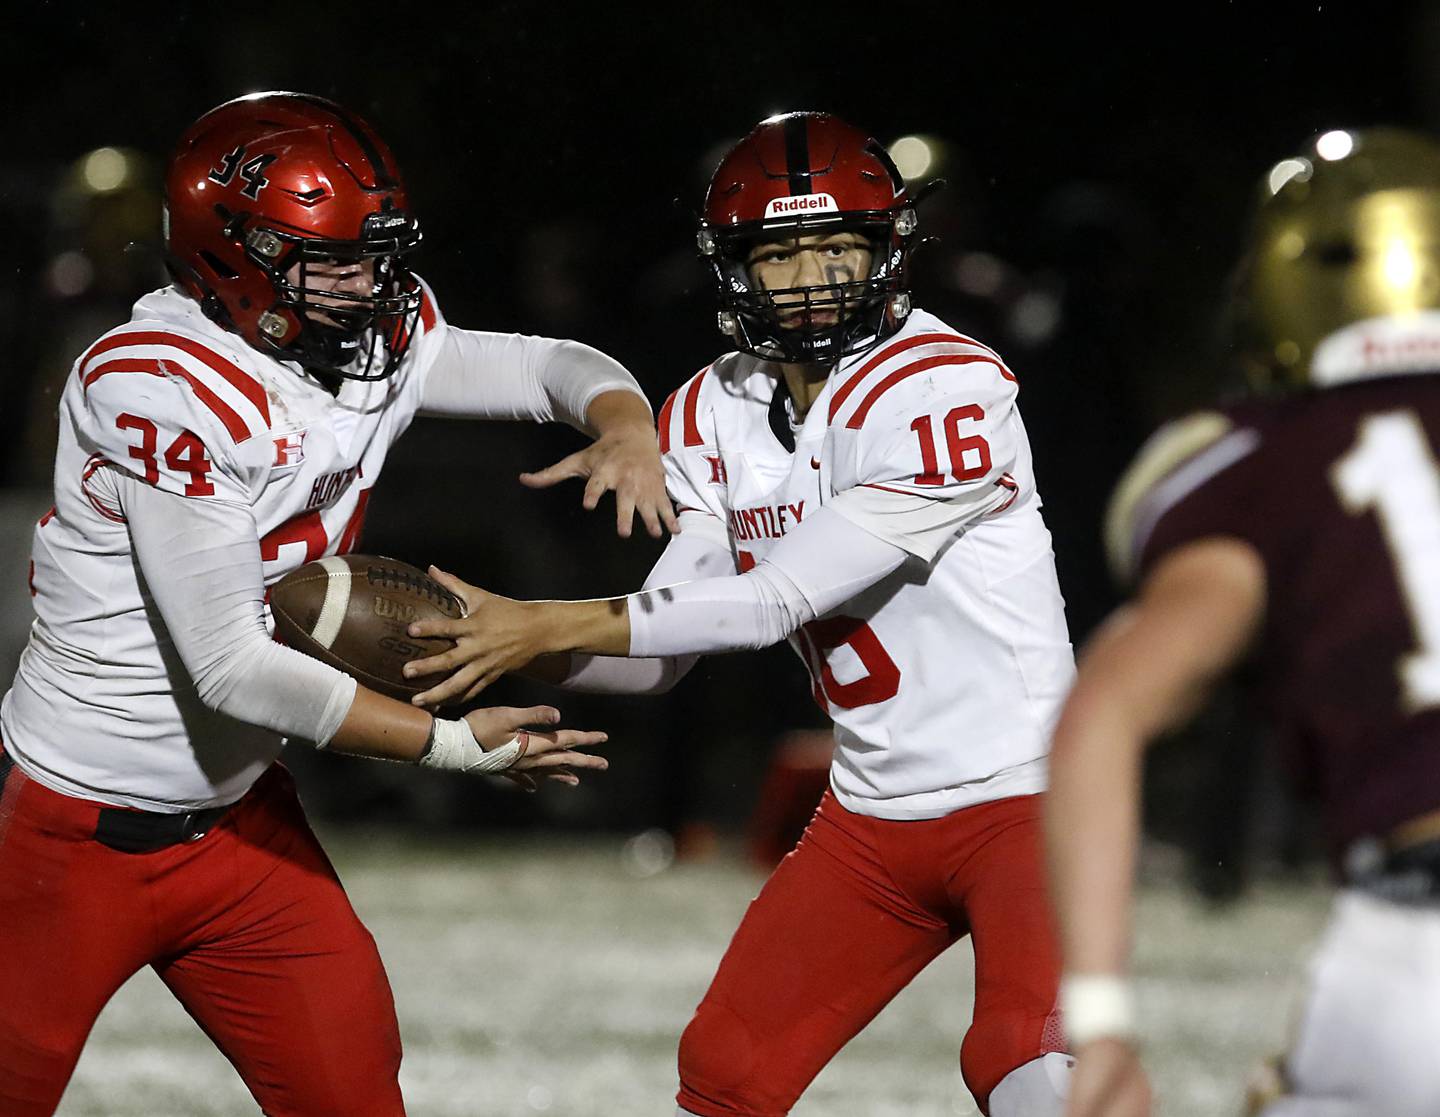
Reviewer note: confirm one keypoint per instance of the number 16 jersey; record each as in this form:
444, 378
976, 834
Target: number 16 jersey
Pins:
944, 678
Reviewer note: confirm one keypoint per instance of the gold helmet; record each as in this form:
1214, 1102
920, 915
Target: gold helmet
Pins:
1346, 230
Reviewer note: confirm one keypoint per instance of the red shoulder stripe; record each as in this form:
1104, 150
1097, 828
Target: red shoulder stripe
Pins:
995, 357
690, 410
237, 427
139, 364
427, 310
692, 406
905, 373
662, 424
892, 350
234, 375
895, 349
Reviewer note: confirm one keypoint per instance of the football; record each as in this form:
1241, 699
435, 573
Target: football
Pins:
351, 611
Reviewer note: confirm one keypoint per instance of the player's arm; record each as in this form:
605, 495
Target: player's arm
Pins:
701, 550
1145, 672
200, 559
474, 374
822, 563
895, 511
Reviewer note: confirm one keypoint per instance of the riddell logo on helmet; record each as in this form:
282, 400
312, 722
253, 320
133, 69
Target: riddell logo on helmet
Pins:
800, 204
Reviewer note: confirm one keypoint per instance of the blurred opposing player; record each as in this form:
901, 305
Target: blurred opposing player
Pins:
1303, 530
227, 434
856, 478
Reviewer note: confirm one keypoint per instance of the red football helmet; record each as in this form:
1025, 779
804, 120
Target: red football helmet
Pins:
797, 174
274, 180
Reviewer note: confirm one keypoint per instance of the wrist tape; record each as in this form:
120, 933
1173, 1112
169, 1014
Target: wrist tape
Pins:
453, 747
1096, 1006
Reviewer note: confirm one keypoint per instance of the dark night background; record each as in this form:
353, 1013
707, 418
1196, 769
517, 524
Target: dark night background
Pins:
1099, 168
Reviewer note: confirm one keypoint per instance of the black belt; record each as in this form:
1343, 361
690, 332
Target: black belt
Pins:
141, 831
146, 831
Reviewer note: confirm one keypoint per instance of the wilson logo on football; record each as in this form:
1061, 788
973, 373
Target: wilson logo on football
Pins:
394, 610
800, 204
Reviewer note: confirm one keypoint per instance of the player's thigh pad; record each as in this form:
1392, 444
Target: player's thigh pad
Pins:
74, 926
826, 944
1000, 886
1369, 1029
288, 982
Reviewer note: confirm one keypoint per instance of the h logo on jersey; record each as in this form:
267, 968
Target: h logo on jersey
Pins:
718, 475
290, 450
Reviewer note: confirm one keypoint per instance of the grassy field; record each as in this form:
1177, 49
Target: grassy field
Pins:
555, 977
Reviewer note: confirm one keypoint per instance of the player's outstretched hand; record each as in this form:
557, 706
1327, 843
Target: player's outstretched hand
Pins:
496, 635
1108, 1082
546, 753
627, 463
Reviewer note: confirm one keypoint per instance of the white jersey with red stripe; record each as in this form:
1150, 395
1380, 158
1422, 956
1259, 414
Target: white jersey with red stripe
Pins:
944, 679
101, 707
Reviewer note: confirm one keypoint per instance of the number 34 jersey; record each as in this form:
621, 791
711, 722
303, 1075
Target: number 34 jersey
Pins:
101, 706
1338, 490
944, 678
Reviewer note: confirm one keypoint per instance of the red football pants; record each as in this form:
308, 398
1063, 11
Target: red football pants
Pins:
248, 926
850, 916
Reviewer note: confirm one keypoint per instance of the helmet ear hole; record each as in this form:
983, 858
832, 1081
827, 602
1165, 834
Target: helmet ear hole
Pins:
219, 267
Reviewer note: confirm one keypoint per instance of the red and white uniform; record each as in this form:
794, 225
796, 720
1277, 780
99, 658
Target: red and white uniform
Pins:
900, 549
100, 707
192, 472
943, 677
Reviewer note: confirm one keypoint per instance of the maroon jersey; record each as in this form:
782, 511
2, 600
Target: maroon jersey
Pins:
1339, 492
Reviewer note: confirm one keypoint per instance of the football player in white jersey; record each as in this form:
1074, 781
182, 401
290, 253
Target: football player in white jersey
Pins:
227, 434
855, 478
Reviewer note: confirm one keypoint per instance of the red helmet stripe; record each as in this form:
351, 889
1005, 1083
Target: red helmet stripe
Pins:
797, 155
238, 379
926, 363
237, 427
384, 180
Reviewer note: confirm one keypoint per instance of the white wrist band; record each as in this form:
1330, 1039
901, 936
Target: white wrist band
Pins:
1095, 1006
453, 747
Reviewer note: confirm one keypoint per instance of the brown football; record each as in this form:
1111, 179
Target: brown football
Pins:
351, 611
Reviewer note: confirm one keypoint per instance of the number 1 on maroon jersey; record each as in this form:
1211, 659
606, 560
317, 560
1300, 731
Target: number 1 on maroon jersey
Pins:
1392, 470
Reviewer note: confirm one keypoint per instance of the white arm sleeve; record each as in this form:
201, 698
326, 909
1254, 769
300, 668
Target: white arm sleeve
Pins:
478, 375
701, 550
821, 564
201, 562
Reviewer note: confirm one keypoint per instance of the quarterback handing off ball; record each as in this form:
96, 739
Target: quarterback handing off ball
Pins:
351, 611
